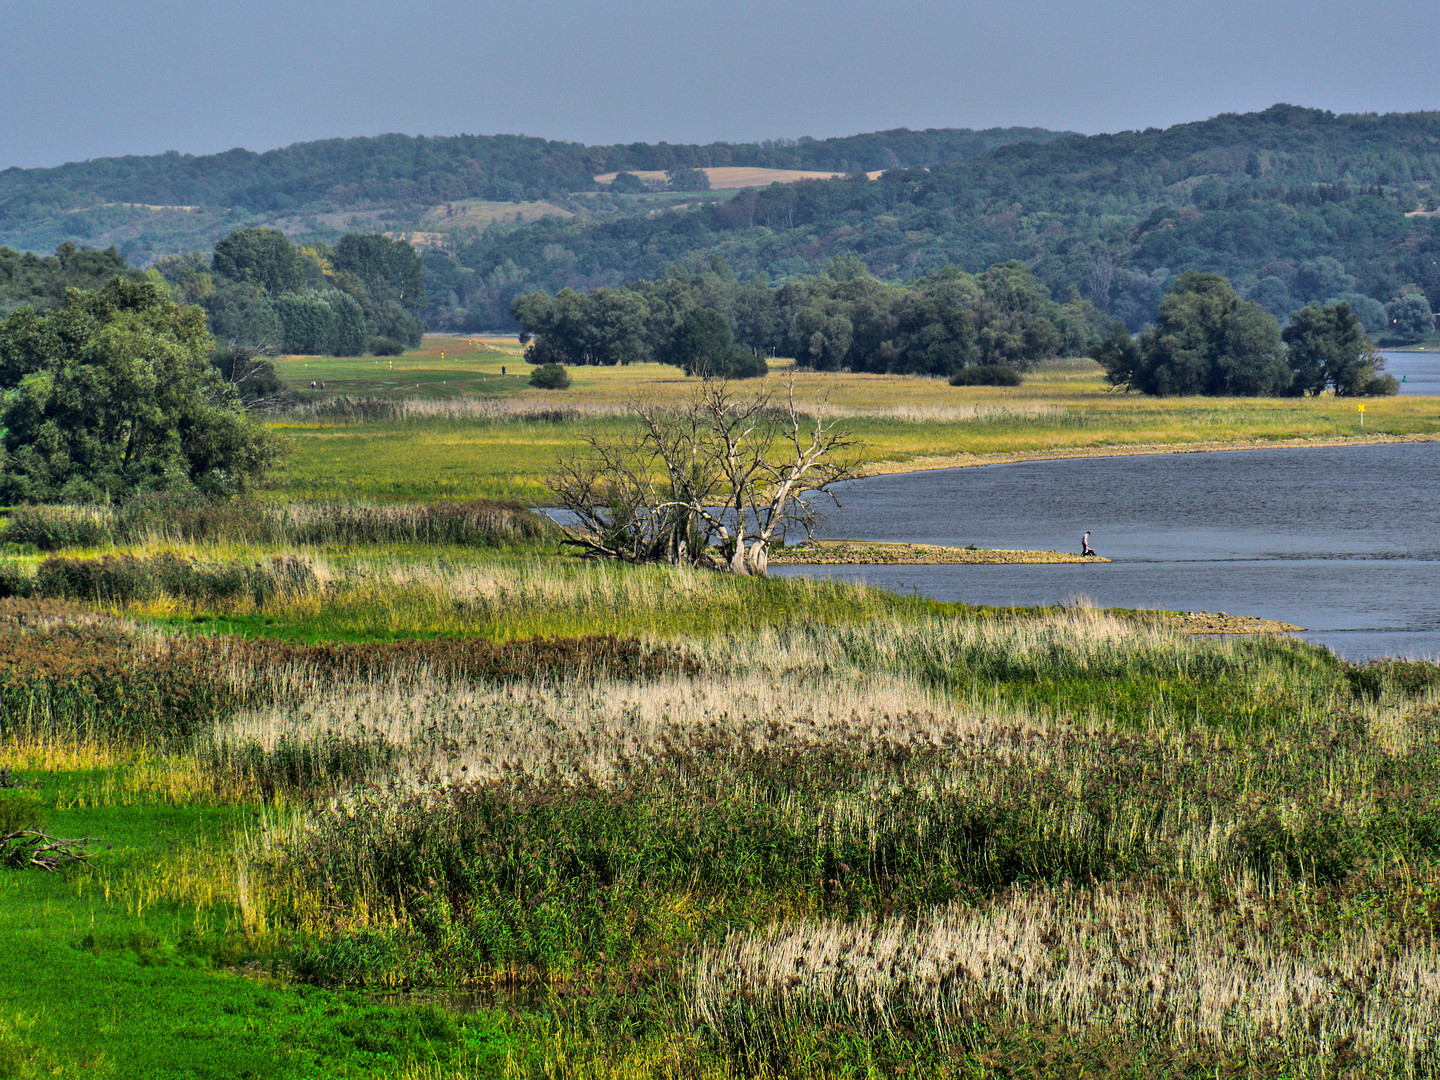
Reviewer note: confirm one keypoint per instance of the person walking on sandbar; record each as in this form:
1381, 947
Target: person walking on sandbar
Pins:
1085, 548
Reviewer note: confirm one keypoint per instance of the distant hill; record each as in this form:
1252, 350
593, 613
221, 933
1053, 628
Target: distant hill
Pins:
165, 203
1292, 204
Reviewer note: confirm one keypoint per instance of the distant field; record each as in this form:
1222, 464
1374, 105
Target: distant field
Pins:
731, 177
464, 429
447, 217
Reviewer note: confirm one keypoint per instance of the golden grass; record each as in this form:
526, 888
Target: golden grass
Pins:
730, 177
468, 430
1190, 969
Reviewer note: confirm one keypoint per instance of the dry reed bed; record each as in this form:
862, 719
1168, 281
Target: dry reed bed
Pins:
1181, 967
882, 762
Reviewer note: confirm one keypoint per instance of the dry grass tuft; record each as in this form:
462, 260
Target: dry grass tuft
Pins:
1176, 966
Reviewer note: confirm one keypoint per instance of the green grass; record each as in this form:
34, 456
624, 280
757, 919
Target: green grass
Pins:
653, 838
101, 983
493, 446
624, 849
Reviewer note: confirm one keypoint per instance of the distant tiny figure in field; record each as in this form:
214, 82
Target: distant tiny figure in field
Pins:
1085, 548
312, 384
502, 369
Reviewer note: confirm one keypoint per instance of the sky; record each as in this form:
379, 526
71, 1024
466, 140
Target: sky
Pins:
89, 80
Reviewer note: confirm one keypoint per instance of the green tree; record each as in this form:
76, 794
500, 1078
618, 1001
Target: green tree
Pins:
1326, 348
320, 322
394, 283
704, 345
687, 179
188, 275
1410, 318
114, 394
628, 183
1206, 341
263, 257
241, 313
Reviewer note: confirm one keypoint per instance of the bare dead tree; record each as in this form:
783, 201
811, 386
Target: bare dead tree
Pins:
713, 482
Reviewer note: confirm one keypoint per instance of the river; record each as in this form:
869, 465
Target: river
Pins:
1419, 372
1344, 541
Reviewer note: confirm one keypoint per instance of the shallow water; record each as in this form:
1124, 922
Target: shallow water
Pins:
1344, 541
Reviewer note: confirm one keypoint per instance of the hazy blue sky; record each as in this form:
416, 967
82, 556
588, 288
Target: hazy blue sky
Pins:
85, 80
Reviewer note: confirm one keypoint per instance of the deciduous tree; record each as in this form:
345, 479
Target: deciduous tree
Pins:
114, 393
1326, 348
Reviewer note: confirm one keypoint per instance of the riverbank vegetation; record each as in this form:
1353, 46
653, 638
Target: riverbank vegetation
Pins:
357, 752
668, 822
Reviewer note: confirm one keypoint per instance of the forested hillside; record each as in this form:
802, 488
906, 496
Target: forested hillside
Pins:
1291, 204
162, 204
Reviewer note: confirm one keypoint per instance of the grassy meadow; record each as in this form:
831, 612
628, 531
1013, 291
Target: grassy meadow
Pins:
374, 780
458, 428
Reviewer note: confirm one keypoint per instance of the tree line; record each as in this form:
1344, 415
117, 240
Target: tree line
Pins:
263, 293
703, 318
1208, 340
339, 174
1264, 199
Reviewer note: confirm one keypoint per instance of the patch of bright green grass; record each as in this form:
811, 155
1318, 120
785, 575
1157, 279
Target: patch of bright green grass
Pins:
99, 983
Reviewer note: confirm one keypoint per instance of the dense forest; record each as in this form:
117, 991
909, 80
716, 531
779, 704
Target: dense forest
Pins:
1293, 206
164, 203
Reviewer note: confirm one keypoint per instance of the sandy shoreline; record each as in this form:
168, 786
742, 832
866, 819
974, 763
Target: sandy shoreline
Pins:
964, 460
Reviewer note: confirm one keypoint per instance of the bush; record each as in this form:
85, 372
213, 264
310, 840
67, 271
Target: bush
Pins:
51, 528
14, 581
550, 377
124, 579
384, 346
985, 375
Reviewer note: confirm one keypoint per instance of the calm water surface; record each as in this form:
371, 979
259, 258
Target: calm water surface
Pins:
1344, 541
1419, 372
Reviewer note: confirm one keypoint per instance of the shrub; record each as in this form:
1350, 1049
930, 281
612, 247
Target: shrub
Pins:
51, 528
550, 377
124, 579
986, 375
14, 581
384, 346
